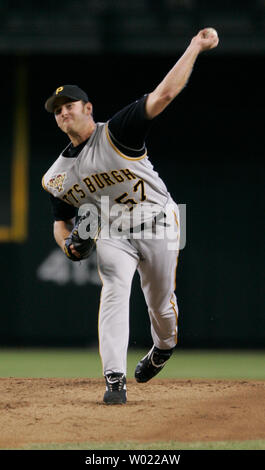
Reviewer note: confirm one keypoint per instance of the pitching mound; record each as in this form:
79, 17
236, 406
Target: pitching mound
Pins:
71, 410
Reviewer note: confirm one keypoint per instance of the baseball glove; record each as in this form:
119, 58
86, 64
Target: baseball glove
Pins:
83, 237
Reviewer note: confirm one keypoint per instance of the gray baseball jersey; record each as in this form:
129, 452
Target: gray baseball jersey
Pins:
101, 169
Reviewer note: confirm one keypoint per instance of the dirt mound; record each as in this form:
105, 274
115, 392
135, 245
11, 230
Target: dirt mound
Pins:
51, 410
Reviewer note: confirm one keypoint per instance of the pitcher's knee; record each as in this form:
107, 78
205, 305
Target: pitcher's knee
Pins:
116, 288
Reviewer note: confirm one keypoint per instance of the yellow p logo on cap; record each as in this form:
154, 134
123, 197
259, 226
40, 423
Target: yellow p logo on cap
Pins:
59, 89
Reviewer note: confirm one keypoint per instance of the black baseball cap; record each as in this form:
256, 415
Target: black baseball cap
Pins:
73, 92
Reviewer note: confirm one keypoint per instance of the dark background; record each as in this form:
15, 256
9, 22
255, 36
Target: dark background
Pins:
208, 146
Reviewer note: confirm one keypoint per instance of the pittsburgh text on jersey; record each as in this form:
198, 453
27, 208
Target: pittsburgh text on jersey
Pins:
95, 182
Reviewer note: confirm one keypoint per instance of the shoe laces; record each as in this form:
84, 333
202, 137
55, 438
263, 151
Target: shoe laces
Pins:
115, 382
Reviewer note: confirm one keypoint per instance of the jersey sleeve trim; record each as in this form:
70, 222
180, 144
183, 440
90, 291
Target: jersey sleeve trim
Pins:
118, 151
43, 185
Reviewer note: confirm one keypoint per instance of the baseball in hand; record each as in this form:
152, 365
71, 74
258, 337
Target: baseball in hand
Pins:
211, 32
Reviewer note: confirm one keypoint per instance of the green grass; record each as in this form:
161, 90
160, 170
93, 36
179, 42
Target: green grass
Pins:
87, 363
170, 445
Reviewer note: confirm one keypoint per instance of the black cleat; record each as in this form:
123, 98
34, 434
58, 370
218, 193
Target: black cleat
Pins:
152, 364
115, 389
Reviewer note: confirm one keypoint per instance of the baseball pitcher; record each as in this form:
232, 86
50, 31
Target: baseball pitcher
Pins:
107, 196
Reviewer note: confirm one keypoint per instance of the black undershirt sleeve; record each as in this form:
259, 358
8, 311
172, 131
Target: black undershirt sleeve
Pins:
61, 210
129, 127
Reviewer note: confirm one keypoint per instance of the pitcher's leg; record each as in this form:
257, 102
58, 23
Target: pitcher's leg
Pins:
158, 285
117, 263
157, 272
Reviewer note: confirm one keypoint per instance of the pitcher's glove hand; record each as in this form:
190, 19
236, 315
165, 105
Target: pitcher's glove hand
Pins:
83, 237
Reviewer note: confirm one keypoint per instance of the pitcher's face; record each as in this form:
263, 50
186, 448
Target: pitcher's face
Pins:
72, 116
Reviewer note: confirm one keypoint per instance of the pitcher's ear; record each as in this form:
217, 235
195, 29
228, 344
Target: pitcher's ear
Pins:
88, 107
